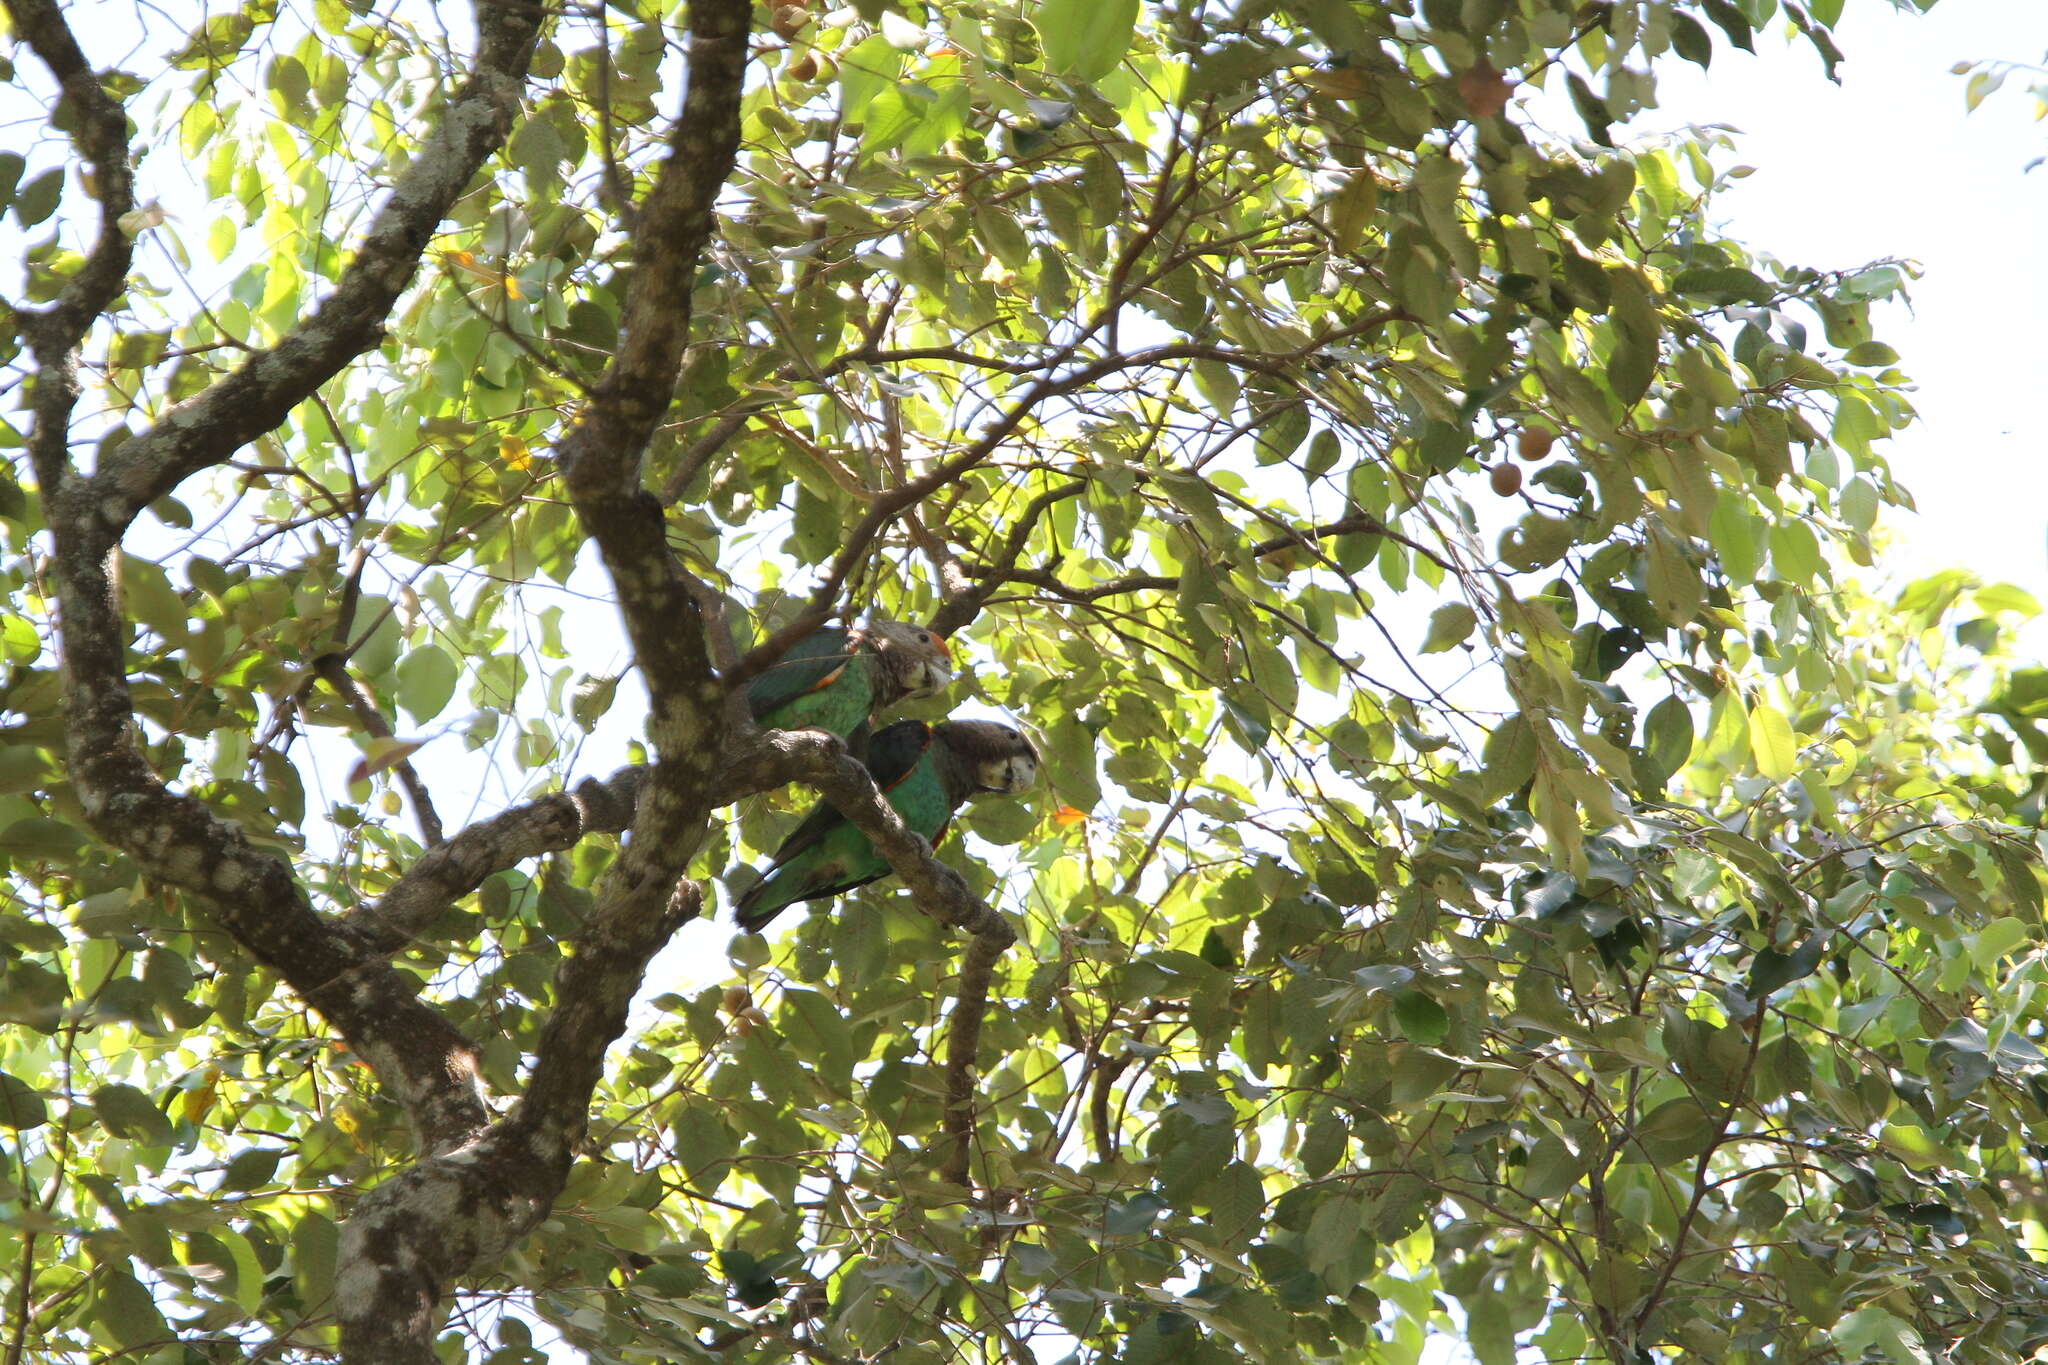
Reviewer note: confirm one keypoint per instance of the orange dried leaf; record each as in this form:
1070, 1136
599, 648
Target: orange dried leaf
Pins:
1484, 90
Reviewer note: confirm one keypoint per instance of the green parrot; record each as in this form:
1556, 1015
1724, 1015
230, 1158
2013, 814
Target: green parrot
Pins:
925, 772
834, 678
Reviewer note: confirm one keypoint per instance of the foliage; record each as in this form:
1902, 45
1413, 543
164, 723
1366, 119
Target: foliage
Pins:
1500, 872
1987, 78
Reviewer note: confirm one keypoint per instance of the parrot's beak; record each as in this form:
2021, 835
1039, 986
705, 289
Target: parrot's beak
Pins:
1010, 774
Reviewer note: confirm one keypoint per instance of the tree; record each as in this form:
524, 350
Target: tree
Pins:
1499, 872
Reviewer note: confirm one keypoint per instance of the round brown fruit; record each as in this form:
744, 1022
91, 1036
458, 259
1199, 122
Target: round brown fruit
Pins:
804, 68
788, 20
1533, 443
1506, 479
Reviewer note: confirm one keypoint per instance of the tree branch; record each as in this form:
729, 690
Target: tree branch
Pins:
261, 392
453, 869
1005, 570
332, 668
961, 607
507, 1180
963, 1053
100, 133
821, 761
423, 1061
890, 503
101, 136
602, 455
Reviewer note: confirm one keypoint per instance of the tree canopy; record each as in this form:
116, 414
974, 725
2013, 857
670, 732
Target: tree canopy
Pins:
1506, 864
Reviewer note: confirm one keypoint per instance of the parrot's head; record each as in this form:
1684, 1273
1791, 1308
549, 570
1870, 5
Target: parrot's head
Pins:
1002, 760
918, 657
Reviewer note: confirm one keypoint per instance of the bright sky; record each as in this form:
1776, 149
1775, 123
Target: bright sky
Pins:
1889, 164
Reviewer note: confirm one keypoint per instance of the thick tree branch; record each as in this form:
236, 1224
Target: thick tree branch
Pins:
423, 1061
507, 1180
100, 134
261, 392
602, 455
453, 869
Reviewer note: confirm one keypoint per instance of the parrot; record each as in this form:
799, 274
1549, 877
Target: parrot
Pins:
925, 771
833, 678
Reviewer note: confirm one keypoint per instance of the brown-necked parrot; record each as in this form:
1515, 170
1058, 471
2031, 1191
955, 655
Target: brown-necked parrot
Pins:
834, 678
925, 772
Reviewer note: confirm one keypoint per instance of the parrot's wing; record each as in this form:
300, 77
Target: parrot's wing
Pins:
811, 665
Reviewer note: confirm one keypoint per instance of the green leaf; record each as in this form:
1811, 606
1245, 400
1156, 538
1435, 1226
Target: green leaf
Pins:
249, 1169
1420, 1018
148, 594
1675, 1130
37, 200
1085, 39
1353, 209
1135, 1216
11, 166
1772, 743
591, 699
426, 681
1674, 584
1997, 939
1450, 625
1795, 551
1872, 1328
1872, 353
1323, 1145
128, 1311
129, 1113
316, 1245
866, 71
1724, 284
1668, 735
21, 1105
1690, 41
40, 839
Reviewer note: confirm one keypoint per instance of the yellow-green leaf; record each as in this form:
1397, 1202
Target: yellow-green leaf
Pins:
1771, 742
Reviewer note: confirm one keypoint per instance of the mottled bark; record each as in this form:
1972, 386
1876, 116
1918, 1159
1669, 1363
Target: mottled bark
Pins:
501, 1185
253, 894
451, 870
